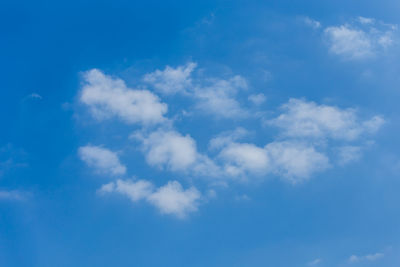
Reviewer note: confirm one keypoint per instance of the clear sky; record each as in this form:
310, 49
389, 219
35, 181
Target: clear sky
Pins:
199, 133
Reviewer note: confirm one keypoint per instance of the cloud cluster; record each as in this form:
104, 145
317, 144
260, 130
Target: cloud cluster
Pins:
101, 159
168, 199
108, 97
309, 135
363, 38
214, 96
301, 118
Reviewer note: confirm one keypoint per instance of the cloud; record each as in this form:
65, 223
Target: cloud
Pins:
218, 98
172, 199
293, 161
312, 23
108, 97
168, 148
308, 119
176, 152
169, 199
369, 257
314, 262
361, 39
296, 161
171, 80
102, 159
35, 96
257, 99
242, 159
12, 195
227, 137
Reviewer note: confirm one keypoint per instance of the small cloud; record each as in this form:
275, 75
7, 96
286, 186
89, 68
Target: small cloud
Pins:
102, 159
314, 262
169, 199
364, 20
257, 99
369, 257
312, 23
35, 96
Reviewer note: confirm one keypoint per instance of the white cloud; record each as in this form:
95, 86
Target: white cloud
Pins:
108, 97
312, 23
365, 40
348, 154
257, 99
369, 257
168, 149
173, 199
295, 161
173, 151
241, 159
364, 20
347, 41
102, 159
169, 199
171, 80
308, 119
227, 137
219, 98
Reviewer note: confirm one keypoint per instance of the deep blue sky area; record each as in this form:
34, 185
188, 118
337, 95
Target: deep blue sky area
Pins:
199, 133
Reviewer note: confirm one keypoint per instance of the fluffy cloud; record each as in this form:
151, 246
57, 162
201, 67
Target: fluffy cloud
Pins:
172, 199
171, 80
296, 161
108, 97
292, 161
218, 98
169, 199
354, 41
241, 159
308, 119
211, 95
102, 159
168, 149
171, 150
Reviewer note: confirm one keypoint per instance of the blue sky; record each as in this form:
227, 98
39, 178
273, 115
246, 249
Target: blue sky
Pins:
199, 133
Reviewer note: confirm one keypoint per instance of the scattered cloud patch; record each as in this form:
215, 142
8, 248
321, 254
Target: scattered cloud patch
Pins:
169, 199
257, 99
363, 38
369, 257
109, 97
296, 161
308, 119
171, 80
218, 98
315, 24
101, 159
